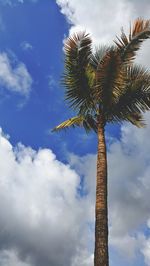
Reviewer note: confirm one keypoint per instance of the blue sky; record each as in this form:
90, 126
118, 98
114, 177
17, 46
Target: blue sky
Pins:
47, 180
42, 27
34, 34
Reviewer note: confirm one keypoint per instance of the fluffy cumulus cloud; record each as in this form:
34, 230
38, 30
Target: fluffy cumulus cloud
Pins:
104, 19
129, 189
14, 78
43, 219
101, 19
47, 213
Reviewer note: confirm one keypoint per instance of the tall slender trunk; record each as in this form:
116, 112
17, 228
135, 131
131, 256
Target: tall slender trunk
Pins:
101, 211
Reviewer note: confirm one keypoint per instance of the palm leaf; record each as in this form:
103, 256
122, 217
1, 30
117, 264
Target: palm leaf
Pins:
135, 98
128, 45
109, 78
72, 122
76, 76
88, 122
98, 56
136, 119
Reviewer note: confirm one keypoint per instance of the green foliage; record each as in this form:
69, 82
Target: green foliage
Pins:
76, 78
105, 83
135, 97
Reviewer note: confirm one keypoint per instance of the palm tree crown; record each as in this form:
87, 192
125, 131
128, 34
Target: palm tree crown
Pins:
106, 81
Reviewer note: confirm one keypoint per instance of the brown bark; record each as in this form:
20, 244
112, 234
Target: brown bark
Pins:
101, 211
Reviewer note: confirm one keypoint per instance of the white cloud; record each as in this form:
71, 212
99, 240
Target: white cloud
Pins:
9, 258
16, 78
51, 82
42, 215
14, 2
26, 46
104, 19
146, 251
23, 1
129, 190
43, 219
101, 19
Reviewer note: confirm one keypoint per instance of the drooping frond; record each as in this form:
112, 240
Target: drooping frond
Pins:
135, 99
77, 78
88, 122
72, 122
136, 119
129, 45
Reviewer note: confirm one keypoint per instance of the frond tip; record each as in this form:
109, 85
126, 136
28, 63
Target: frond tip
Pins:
136, 119
128, 45
72, 122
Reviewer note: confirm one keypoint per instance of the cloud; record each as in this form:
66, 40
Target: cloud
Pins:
47, 207
26, 46
23, 1
98, 19
12, 3
9, 258
129, 189
44, 221
52, 83
146, 251
14, 78
104, 19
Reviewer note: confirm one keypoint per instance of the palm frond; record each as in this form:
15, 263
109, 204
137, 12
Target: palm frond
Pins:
127, 46
88, 122
136, 119
98, 55
72, 122
109, 78
76, 76
135, 98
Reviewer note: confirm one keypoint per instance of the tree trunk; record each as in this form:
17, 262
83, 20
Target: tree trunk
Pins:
101, 211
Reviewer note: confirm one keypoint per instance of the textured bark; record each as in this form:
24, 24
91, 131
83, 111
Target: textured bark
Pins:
101, 211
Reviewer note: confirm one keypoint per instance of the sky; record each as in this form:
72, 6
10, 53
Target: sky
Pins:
47, 180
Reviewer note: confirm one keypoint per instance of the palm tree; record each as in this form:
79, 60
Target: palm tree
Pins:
105, 86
